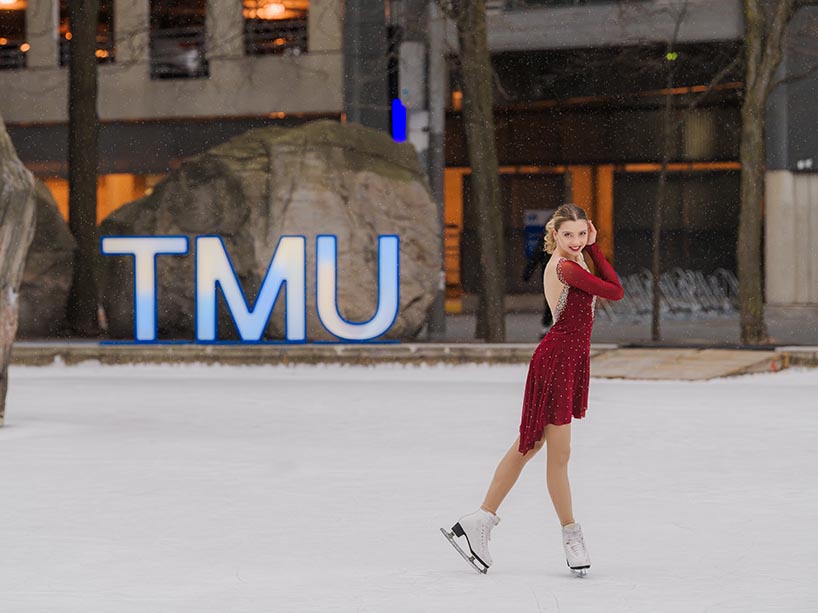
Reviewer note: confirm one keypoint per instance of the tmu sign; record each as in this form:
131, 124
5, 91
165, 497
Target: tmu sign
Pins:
287, 270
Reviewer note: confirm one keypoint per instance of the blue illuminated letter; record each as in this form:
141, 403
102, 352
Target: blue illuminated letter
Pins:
326, 298
213, 267
144, 250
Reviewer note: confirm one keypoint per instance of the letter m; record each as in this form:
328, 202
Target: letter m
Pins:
215, 270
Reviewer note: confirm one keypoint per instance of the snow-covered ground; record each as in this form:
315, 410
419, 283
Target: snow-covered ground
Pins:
233, 489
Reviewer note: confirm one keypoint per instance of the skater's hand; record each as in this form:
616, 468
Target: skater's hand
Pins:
591, 233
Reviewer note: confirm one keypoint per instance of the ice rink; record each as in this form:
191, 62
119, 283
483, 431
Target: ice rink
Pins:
235, 489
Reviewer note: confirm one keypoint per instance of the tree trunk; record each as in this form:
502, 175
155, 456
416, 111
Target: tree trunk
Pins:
668, 142
16, 231
668, 150
478, 120
83, 125
751, 291
764, 28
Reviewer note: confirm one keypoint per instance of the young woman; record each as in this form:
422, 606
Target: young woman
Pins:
556, 389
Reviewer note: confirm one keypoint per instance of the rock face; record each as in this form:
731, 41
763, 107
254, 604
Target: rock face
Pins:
16, 230
320, 178
48, 271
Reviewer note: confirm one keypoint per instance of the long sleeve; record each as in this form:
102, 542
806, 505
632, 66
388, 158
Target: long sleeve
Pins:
606, 286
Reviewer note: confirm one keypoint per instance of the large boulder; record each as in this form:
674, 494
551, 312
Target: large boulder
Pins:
16, 230
320, 178
48, 272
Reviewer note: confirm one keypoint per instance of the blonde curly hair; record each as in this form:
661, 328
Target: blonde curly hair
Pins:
566, 212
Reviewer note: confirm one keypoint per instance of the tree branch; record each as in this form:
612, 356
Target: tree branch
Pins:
716, 80
771, 56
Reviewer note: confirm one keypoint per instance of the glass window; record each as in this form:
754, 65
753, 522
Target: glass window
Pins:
13, 45
275, 27
105, 32
178, 35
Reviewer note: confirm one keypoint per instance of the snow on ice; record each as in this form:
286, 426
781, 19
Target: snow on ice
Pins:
238, 489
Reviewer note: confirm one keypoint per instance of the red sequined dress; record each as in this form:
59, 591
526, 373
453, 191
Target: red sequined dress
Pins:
557, 384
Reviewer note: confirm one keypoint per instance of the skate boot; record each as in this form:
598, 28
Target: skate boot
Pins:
575, 553
476, 527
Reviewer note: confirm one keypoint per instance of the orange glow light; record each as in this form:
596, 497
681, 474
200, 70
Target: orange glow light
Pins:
457, 100
272, 11
68, 36
25, 47
4, 41
101, 53
682, 167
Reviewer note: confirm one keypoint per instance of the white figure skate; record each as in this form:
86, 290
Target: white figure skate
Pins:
476, 527
575, 553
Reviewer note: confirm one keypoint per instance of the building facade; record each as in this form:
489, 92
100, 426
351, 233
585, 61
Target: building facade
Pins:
175, 78
580, 98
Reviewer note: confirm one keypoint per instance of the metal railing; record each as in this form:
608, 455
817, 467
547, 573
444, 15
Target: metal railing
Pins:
683, 294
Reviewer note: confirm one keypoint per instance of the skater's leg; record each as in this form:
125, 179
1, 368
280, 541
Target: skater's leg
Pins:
476, 527
508, 470
558, 439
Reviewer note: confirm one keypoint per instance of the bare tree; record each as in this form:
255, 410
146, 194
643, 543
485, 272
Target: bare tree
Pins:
668, 130
478, 120
672, 119
83, 128
634, 62
765, 25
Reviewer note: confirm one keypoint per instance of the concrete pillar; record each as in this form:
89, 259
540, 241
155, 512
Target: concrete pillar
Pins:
791, 241
366, 91
225, 29
42, 33
791, 193
412, 91
131, 31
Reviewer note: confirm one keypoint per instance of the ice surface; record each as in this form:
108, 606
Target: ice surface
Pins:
234, 489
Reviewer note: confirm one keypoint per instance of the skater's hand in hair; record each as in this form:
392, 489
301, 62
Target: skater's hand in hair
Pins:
591, 232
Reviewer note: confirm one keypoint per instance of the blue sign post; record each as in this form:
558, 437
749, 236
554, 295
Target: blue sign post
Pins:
534, 226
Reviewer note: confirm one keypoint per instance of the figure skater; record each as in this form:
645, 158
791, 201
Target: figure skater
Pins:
556, 388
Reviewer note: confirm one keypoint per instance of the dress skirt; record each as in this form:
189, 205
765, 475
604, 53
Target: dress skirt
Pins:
556, 389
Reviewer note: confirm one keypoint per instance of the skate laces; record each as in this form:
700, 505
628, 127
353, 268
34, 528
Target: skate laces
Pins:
575, 543
486, 526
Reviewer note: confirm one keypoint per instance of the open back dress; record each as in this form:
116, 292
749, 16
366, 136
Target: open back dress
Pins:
557, 386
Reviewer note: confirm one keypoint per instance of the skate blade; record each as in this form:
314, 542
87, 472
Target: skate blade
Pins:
473, 562
580, 572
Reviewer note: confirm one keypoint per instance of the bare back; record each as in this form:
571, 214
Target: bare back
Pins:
551, 284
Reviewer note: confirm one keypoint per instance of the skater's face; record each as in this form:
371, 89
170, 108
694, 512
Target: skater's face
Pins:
572, 236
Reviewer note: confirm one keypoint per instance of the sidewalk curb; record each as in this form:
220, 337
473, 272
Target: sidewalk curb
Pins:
608, 360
